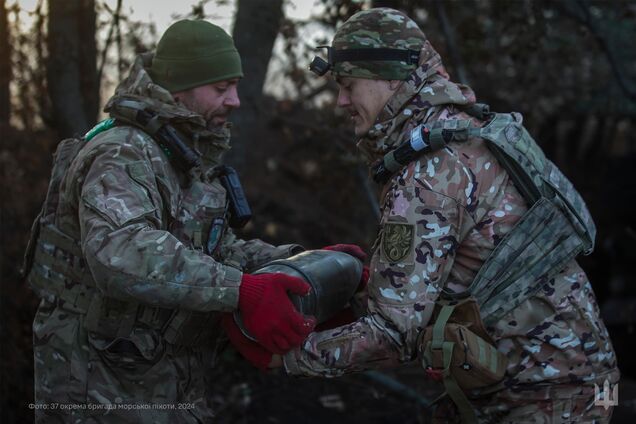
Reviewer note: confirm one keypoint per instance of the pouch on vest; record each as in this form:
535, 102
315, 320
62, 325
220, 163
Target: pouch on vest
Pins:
457, 350
64, 155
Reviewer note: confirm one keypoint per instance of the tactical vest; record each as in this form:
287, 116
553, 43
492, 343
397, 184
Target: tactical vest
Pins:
57, 271
554, 230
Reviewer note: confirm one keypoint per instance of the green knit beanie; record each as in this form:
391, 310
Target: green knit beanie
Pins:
194, 53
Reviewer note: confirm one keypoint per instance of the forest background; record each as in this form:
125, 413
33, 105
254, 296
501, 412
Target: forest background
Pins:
569, 66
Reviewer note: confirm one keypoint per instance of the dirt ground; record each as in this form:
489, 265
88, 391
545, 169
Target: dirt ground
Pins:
250, 396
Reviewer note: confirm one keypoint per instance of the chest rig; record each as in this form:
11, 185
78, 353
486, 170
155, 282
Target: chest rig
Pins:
54, 263
556, 228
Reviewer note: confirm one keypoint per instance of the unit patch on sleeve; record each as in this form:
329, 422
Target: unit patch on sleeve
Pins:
397, 241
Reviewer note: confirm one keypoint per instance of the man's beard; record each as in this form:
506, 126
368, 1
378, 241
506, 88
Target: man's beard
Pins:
212, 123
193, 105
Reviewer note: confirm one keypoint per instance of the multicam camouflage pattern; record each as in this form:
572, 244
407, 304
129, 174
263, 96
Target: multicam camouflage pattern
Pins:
138, 322
461, 203
377, 28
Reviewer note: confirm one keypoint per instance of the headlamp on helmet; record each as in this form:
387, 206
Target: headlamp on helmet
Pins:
320, 66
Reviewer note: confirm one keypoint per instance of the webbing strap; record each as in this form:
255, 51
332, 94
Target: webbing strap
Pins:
436, 139
175, 326
440, 325
153, 125
526, 187
409, 56
452, 388
390, 163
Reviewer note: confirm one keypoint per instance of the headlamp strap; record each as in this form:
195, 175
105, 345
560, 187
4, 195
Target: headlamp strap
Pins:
409, 56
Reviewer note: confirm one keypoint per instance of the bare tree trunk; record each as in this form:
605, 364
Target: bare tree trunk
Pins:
5, 66
449, 35
71, 68
255, 30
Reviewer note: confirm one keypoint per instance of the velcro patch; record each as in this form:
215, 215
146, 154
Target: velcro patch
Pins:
397, 241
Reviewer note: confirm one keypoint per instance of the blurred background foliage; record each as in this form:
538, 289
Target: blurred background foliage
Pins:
569, 66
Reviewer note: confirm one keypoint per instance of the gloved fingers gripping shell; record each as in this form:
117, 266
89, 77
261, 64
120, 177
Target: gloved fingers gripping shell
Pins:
268, 314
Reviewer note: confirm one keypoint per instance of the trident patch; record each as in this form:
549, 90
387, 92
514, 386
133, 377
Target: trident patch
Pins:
397, 241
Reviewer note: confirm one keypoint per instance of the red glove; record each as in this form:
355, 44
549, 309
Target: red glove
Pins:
351, 249
256, 354
364, 279
269, 315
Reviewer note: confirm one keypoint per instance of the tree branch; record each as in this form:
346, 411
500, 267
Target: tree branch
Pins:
580, 12
449, 35
109, 38
5, 66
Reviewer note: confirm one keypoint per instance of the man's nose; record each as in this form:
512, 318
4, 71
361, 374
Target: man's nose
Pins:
343, 99
232, 98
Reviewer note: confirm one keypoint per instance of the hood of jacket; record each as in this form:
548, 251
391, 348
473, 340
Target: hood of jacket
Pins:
417, 98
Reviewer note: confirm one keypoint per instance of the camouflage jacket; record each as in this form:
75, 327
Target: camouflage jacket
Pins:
442, 216
143, 224
141, 323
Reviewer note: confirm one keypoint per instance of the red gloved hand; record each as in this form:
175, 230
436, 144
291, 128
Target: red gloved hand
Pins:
351, 249
269, 315
364, 279
256, 354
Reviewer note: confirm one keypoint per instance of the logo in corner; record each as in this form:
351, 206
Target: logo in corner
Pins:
397, 241
603, 398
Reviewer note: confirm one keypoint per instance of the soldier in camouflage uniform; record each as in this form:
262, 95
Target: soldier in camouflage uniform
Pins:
442, 216
132, 255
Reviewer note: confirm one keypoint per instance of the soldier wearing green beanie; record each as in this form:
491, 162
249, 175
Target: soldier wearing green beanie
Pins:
194, 53
134, 255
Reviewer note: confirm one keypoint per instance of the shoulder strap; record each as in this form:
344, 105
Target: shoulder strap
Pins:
535, 175
135, 113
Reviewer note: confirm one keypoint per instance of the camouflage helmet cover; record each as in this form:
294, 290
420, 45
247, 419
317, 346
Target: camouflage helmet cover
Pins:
377, 28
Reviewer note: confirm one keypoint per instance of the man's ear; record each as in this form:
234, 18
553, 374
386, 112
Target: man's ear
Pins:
395, 84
